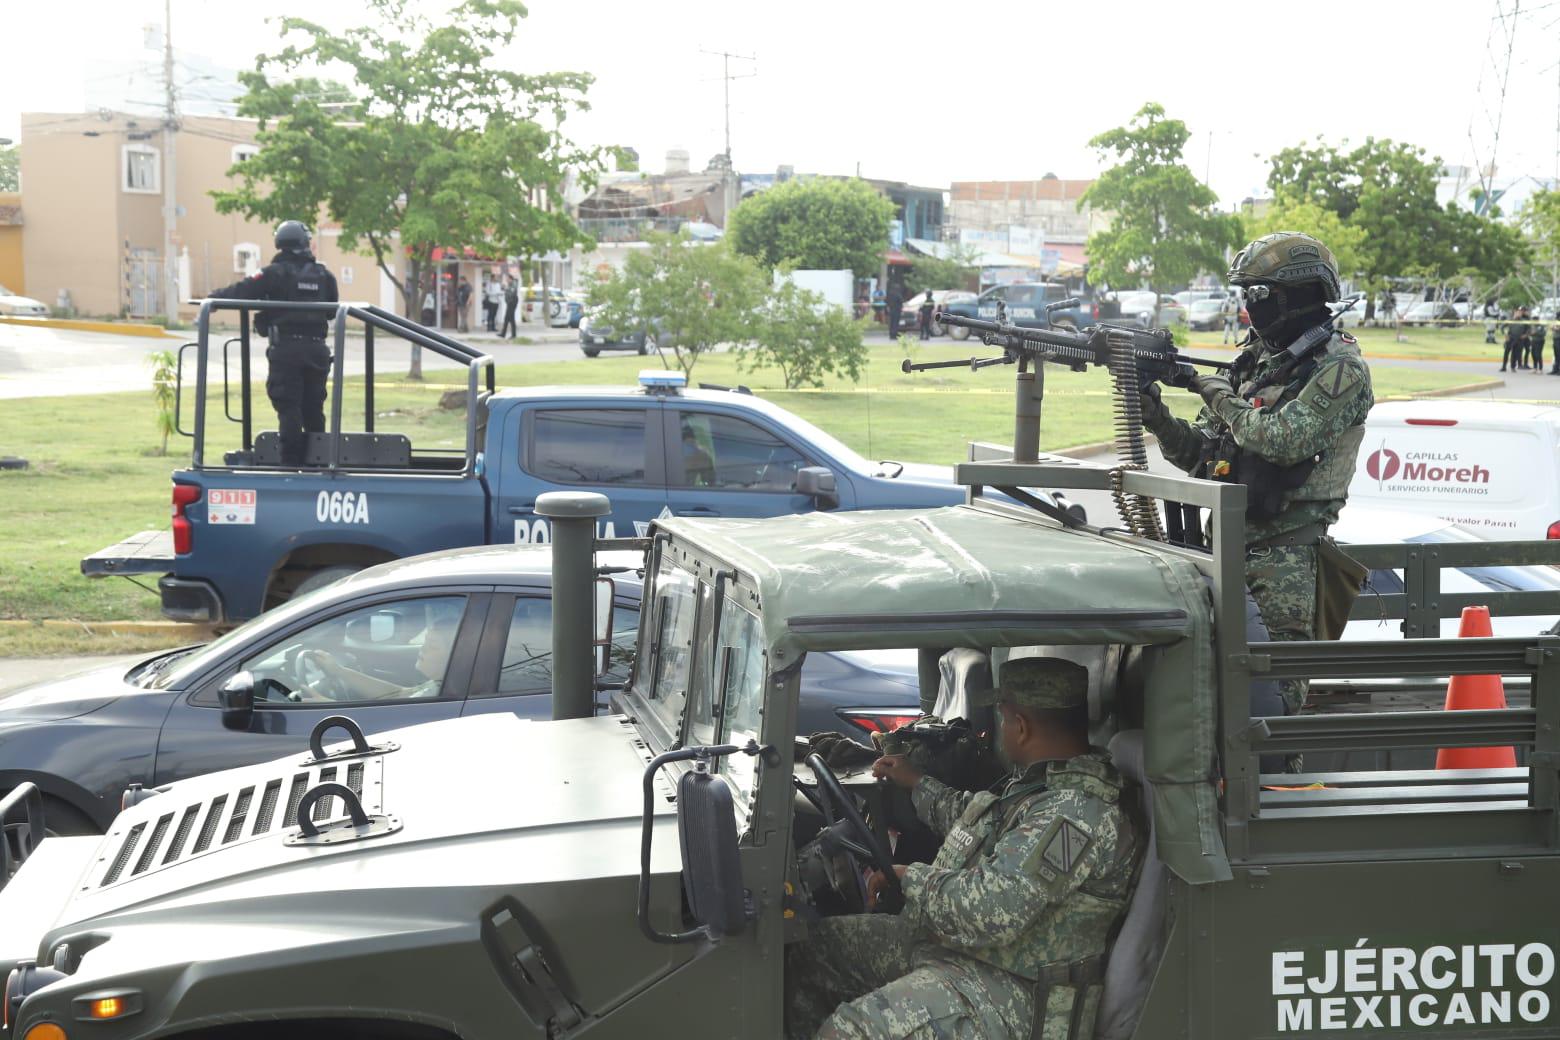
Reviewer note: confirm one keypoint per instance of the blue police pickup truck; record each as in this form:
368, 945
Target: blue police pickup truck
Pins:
247, 533
1030, 304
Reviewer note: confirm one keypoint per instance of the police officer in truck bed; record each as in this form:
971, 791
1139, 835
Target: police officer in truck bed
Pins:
297, 357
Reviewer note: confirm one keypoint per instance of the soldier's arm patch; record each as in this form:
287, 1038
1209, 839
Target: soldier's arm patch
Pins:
1331, 383
1059, 851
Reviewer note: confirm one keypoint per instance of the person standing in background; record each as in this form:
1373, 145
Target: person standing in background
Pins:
511, 301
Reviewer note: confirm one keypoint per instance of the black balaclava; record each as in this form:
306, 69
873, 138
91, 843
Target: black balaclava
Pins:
1288, 311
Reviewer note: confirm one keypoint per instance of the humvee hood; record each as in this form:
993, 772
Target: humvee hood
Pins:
480, 801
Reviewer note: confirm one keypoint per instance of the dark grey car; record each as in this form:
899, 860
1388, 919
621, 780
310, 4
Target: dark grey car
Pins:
448, 634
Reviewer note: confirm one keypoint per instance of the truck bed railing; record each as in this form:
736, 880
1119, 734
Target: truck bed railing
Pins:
479, 369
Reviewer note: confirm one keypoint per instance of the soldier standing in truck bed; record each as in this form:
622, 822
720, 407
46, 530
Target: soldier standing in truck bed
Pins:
297, 358
1287, 422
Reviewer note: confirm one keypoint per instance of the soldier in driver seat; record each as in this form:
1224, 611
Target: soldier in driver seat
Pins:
1015, 912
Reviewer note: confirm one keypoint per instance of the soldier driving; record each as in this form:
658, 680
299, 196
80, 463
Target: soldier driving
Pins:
1287, 423
297, 358
1015, 911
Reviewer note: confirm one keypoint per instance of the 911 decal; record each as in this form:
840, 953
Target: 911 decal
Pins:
341, 507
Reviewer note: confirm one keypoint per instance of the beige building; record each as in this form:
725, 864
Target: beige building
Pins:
94, 195
1047, 208
12, 275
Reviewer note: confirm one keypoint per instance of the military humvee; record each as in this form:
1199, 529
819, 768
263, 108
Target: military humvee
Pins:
641, 873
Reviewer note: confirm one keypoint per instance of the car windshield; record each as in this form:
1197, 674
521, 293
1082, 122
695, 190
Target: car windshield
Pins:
173, 671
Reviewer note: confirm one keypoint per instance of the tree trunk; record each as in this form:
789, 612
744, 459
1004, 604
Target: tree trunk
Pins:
414, 312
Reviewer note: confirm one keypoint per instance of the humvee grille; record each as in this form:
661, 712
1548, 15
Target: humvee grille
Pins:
253, 811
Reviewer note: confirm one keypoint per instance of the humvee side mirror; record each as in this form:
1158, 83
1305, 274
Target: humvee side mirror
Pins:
817, 482
712, 873
237, 698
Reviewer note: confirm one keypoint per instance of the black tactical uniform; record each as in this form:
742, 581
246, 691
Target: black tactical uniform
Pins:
297, 357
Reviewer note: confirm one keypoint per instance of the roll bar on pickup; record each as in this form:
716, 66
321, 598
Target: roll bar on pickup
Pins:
479, 369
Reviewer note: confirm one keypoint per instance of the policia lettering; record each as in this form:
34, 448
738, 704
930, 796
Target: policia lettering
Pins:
298, 359
1288, 424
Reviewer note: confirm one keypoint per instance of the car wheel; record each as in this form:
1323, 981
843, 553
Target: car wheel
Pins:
958, 332
323, 577
590, 352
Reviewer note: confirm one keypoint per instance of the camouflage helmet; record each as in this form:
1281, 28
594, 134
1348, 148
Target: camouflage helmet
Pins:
1287, 258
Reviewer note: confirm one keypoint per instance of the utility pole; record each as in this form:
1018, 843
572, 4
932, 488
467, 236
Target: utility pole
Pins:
170, 175
726, 78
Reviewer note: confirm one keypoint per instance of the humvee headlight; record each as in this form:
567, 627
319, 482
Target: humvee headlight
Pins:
25, 980
45, 1031
104, 1004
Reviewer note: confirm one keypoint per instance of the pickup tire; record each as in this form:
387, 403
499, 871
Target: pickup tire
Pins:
958, 332
63, 820
323, 577
591, 353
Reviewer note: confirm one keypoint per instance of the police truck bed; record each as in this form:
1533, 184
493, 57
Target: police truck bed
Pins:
148, 552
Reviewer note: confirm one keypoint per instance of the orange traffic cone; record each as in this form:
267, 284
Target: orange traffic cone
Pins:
1467, 692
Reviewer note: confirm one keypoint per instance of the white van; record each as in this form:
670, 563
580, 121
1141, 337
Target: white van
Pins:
1491, 467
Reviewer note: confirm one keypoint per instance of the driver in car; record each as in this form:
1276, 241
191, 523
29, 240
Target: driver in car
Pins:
1014, 913
351, 684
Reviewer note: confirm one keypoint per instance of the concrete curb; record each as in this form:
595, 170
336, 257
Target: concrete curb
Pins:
1448, 391
118, 328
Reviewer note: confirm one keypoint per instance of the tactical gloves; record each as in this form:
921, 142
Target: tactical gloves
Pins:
1212, 388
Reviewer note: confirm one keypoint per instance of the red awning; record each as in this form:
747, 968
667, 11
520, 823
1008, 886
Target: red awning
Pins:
897, 259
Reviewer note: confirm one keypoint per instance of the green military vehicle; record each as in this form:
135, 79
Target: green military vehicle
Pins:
641, 873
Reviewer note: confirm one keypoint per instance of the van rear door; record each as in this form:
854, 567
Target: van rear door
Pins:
1495, 477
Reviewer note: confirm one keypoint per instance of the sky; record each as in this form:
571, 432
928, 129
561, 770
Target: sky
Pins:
936, 92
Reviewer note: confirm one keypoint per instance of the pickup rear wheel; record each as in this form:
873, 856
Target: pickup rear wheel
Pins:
595, 353
958, 332
323, 577
63, 820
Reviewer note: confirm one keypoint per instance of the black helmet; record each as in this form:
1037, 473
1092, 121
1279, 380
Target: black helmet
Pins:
292, 234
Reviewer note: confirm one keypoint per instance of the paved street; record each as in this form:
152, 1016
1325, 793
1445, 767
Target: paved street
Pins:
45, 362
16, 672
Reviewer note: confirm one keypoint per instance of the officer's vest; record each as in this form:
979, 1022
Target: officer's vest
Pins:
1080, 926
1273, 489
303, 282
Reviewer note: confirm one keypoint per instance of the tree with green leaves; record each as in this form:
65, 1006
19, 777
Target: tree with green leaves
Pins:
432, 143
957, 270
1384, 188
1289, 213
165, 378
690, 297
821, 224
10, 168
1164, 230
806, 338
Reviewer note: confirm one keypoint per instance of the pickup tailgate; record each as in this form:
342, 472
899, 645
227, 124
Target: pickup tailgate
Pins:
149, 552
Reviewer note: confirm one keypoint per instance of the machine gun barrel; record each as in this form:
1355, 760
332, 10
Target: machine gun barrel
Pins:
1087, 347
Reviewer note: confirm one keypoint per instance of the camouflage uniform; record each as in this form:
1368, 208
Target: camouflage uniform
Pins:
1318, 411
1026, 881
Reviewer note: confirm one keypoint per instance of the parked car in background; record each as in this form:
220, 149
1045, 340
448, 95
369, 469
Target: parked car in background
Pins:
1205, 314
557, 306
1431, 312
1136, 307
596, 336
1187, 297
1363, 525
21, 306
1171, 310
440, 636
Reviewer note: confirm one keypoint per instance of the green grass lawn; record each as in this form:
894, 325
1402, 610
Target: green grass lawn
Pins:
95, 479
1450, 343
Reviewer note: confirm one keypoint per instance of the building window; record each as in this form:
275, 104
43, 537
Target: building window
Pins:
246, 258
244, 153
142, 169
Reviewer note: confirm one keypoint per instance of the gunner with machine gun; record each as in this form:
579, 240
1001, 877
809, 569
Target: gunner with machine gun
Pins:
297, 357
1287, 421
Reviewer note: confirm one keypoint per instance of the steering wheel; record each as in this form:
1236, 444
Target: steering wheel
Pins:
866, 847
309, 673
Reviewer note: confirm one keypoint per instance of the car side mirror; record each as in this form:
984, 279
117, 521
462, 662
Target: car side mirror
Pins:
712, 873
606, 595
817, 482
237, 698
